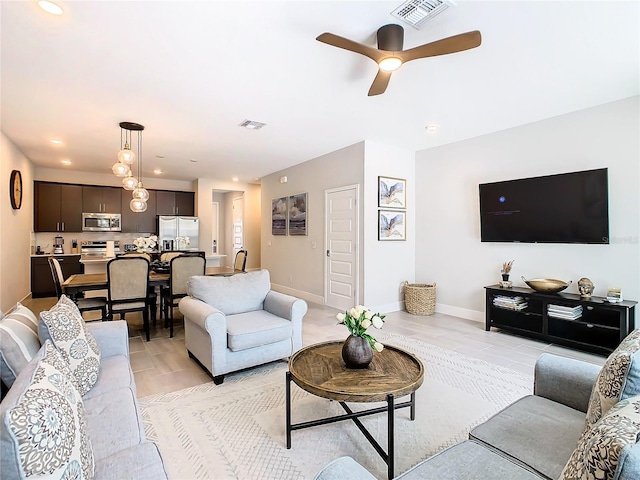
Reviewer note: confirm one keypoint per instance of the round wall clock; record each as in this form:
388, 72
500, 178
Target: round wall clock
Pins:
15, 189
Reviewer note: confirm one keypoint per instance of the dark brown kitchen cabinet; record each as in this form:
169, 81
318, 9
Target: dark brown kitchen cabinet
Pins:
41, 278
101, 199
175, 203
144, 222
58, 207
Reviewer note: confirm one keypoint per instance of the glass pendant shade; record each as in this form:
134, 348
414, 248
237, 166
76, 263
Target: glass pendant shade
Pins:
121, 169
141, 193
129, 182
137, 205
126, 155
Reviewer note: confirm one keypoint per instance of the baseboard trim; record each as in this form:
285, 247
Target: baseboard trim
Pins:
309, 297
460, 312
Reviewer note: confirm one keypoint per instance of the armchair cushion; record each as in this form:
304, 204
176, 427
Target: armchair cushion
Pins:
19, 342
236, 294
253, 329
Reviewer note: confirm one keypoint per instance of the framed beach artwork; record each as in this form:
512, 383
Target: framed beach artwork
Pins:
279, 216
392, 192
391, 225
298, 214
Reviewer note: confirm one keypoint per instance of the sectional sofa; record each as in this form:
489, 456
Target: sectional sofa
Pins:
582, 422
112, 426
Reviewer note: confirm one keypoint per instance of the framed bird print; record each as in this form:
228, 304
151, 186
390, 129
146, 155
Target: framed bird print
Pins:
391, 225
392, 192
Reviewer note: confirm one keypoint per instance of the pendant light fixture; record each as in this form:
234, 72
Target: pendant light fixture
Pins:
126, 157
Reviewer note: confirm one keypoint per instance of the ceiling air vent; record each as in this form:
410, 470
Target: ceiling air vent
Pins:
418, 12
250, 124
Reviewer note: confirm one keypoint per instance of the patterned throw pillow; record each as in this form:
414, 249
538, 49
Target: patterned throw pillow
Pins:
78, 347
48, 423
602, 450
19, 342
618, 379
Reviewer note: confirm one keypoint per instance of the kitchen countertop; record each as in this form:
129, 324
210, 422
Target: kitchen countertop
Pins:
55, 255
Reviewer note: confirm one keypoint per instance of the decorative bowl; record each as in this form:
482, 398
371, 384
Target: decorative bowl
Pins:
546, 285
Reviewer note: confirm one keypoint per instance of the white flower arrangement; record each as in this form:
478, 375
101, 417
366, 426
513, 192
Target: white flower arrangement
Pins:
358, 320
182, 242
146, 243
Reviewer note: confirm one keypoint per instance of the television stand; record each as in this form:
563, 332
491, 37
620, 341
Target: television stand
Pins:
598, 328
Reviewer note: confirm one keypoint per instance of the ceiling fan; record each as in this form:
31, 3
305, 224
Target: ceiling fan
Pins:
389, 55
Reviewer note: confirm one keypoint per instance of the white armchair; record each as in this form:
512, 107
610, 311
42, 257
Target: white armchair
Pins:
238, 322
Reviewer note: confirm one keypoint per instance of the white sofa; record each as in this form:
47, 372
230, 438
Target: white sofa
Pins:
237, 322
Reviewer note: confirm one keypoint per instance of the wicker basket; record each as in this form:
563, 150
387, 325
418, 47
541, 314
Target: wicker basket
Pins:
420, 298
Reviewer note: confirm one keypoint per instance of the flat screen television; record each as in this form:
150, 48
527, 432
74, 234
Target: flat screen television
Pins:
565, 208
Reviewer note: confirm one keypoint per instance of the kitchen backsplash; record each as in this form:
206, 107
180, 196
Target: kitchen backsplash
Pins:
46, 240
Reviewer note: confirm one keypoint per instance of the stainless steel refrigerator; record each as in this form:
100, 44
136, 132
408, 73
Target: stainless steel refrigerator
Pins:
171, 228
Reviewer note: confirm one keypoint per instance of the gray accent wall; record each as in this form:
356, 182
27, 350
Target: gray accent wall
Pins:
297, 267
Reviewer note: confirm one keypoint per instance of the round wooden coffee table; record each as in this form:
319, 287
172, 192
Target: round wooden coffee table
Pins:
320, 370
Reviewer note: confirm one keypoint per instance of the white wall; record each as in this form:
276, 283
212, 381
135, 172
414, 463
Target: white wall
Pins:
387, 265
449, 250
294, 265
15, 227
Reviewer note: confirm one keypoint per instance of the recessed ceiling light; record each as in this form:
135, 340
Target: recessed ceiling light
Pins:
193, 160
56, 142
66, 161
235, 179
159, 156
50, 7
432, 127
252, 125
255, 179
157, 171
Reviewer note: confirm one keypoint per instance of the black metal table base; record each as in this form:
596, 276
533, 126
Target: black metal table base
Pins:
388, 456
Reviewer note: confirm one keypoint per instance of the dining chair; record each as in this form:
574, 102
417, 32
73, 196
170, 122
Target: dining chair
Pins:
240, 263
127, 287
153, 295
183, 267
167, 256
84, 304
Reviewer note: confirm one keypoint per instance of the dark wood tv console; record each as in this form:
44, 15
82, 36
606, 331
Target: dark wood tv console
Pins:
600, 328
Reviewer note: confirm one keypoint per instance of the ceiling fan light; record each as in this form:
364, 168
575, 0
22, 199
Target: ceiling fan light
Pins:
129, 182
120, 169
137, 205
126, 155
390, 64
140, 193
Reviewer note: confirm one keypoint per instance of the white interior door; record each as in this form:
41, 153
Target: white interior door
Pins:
342, 266
215, 228
238, 229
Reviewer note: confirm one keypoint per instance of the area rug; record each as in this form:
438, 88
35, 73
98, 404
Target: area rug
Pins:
237, 430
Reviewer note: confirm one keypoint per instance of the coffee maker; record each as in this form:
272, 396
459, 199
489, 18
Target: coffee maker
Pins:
57, 246
167, 245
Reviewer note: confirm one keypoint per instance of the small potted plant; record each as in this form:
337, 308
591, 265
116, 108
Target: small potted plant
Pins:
506, 269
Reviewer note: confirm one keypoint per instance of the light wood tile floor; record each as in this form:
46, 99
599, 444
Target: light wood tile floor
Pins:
162, 365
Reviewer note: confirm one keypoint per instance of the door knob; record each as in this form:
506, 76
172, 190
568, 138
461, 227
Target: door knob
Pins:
328, 253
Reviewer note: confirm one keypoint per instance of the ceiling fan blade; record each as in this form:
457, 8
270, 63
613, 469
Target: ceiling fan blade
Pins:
380, 83
457, 43
341, 42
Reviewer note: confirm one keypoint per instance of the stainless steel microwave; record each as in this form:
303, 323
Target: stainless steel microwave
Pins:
101, 222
